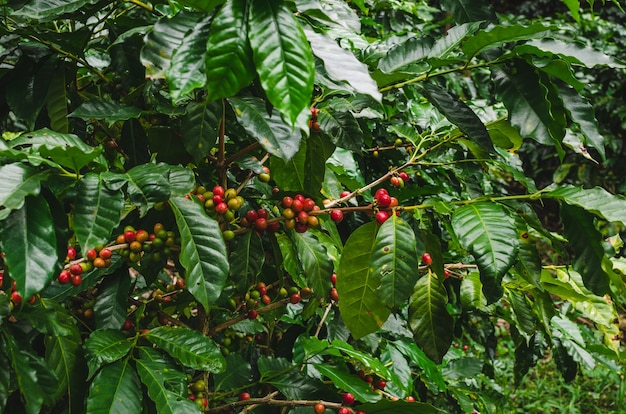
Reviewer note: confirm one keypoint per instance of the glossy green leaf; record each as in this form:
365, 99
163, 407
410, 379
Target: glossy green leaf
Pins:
315, 262
400, 381
367, 361
401, 56
575, 52
528, 263
187, 70
464, 11
5, 378
229, 65
112, 300
97, 211
203, 252
498, 35
386, 406
289, 379
49, 318
564, 361
105, 346
270, 131
349, 383
19, 181
429, 319
190, 347
282, 57
29, 244
167, 34
108, 110
334, 13
342, 65
357, 284
341, 126
44, 10
56, 103
595, 200
471, 291
246, 259
290, 175
200, 127
585, 240
116, 389
459, 114
156, 378
489, 233
204, 5
524, 315
181, 179
63, 355
290, 260
456, 35
147, 185
318, 149
238, 374
394, 260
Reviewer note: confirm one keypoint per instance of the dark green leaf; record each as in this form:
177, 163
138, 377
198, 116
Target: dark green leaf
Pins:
289, 175
45, 10
597, 200
28, 241
181, 179
190, 347
575, 52
229, 65
156, 379
5, 377
524, 315
200, 128
341, 126
432, 372
386, 406
498, 35
401, 56
465, 11
49, 318
105, 346
315, 262
246, 259
349, 383
112, 300
18, 181
564, 362
147, 185
97, 211
463, 368
56, 102
110, 111
429, 319
282, 57
203, 252
269, 130
489, 233
471, 292
318, 150
204, 5
238, 374
116, 389
288, 379
357, 284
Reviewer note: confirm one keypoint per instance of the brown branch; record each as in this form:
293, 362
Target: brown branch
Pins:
240, 318
253, 403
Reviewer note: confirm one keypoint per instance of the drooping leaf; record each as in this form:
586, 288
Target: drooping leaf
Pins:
190, 347
187, 69
105, 346
585, 240
19, 181
44, 10
489, 233
315, 262
56, 103
200, 127
229, 65
282, 57
349, 383
29, 244
289, 380
564, 361
203, 252
394, 258
357, 283
526, 319
97, 211
246, 259
156, 378
528, 263
432, 371
429, 319
403, 55
341, 125
495, 36
318, 150
269, 130
112, 300
116, 389
147, 185
472, 291
342, 65
597, 200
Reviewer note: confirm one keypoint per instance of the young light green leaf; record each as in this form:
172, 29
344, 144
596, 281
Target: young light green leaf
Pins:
105, 346
190, 347
282, 57
489, 233
203, 252
116, 389
357, 284
29, 243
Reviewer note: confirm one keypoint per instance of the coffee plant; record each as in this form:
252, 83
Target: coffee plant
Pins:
308, 206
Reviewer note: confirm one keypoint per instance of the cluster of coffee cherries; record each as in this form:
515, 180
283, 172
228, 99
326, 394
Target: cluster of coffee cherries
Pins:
141, 244
383, 201
196, 394
259, 293
219, 201
334, 296
313, 124
427, 260
297, 212
398, 180
258, 219
72, 273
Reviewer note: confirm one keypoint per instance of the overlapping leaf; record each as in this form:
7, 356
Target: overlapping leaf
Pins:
498, 35
246, 258
19, 181
105, 346
203, 252
148, 184
45, 10
315, 262
156, 379
109, 110
595, 200
63, 355
200, 127
116, 389
349, 383
112, 300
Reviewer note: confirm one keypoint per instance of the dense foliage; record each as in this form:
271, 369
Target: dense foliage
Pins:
306, 206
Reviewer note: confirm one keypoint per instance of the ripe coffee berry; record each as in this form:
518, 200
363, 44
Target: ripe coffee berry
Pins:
336, 215
344, 194
71, 253
251, 216
319, 408
381, 384
301, 227
260, 224
348, 399
303, 217
295, 298
333, 279
286, 202
446, 273
380, 192
395, 181
252, 314
343, 410
16, 298
64, 277
426, 259
244, 396
297, 205
334, 295
76, 269
381, 217
129, 236
91, 254
76, 280
106, 253
404, 176
410, 398
308, 204
221, 208
384, 200
218, 190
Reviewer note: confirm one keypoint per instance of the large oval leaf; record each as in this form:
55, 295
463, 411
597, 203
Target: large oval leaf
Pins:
157, 380
489, 233
357, 283
202, 251
18, 181
595, 200
315, 262
147, 185
116, 389
282, 57
105, 346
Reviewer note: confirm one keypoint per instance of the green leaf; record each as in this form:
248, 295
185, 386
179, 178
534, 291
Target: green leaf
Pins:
18, 181
586, 242
148, 184
367, 361
63, 356
229, 65
459, 114
574, 52
471, 292
465, 11
394, 258
108, 110
526, 319
349, 383
105, 346
112, 300
182, 180
116, 389
29, 244
499, 35
582, 114
49, 318
318, 150
5, 377
489, 234
167, 34
56, 102
574, 7
156, 378
462, 33
341, 126
204, 5
289, 379
528, 260
97, 211
187, 70
203, 252
564, 362
432, 372
463, 368
342, 65
282, 57
238, 375
269, 130
429, 319
315, 262
357, 284
386, 406
200, 127
190, 347
289, 175
246, 259
403, 55
595, 200
45, 10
